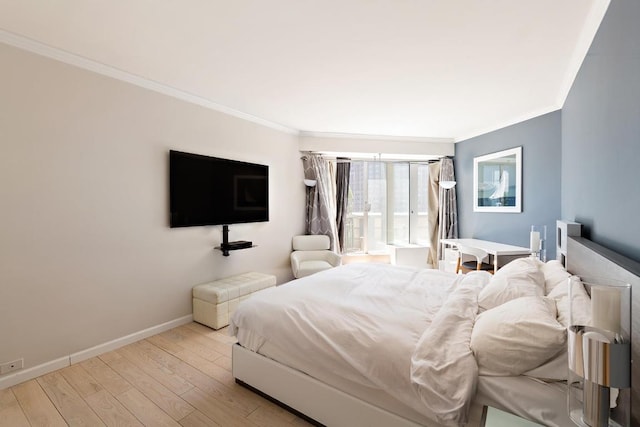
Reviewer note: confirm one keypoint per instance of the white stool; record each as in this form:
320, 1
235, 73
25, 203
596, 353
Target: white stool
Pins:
215, 302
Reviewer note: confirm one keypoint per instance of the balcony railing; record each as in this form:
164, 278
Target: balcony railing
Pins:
377, 238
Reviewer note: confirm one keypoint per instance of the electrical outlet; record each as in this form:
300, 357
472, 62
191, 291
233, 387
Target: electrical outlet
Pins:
5, 368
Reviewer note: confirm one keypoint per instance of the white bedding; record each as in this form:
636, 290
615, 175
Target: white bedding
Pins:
365, 323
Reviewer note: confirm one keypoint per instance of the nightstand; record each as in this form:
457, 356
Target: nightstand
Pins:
498, 418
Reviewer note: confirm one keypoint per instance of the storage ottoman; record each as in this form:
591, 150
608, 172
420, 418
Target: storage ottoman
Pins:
215, 302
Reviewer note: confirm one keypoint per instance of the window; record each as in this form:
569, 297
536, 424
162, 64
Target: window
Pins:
387, 205
420, 205
366, 208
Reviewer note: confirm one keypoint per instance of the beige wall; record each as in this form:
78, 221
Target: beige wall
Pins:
86, 254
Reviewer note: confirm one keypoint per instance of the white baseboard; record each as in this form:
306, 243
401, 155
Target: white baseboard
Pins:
122, 341
63, 362
33, 372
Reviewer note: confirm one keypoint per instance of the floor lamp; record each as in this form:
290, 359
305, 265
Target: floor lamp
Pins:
310, 187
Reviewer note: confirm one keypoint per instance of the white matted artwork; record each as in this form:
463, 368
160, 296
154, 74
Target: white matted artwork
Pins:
497, 181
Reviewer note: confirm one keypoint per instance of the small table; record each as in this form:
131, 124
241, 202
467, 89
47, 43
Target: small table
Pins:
495, 418
497, 250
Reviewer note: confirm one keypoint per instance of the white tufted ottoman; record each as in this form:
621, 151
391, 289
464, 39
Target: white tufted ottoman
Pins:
215, 302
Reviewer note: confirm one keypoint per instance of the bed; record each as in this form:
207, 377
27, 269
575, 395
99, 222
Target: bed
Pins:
388, 346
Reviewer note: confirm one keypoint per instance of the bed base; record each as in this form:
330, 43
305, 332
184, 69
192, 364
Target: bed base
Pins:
323, 404
318, 402
277, 402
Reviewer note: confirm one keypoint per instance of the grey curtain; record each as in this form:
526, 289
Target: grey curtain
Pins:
321, 208
433, 217
343, 168
311, 201
448, 210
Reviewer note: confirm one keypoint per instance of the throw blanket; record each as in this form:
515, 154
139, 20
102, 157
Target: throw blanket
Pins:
443, 368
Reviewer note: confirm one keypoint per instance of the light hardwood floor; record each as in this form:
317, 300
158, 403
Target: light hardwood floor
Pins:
181, 377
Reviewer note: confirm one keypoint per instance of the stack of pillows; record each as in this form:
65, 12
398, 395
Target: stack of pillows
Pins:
524, 314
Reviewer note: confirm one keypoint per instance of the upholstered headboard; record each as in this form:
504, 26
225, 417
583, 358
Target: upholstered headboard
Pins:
588, 259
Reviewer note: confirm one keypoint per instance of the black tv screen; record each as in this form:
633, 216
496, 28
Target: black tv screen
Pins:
207, 190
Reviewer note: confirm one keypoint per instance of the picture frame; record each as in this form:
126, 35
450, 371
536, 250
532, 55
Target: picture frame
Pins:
497, 181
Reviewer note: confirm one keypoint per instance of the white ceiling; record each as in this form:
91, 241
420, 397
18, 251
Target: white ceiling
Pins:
433, 69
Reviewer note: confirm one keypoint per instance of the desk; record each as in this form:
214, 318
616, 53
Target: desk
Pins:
497, 250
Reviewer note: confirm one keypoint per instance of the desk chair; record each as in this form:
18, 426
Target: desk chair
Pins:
476, 264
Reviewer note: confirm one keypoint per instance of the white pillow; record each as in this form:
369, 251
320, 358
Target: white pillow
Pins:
517, 336
556, 369
519, 278
581, 302
554, 275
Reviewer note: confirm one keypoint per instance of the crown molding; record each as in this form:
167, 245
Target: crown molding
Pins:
589, 31
51, 52
510, 122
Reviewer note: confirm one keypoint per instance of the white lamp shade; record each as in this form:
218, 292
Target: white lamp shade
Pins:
534, 241
447, 185
310, 182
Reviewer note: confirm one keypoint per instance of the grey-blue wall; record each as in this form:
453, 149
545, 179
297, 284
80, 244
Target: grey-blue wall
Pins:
592, 149
601, 135
541, 152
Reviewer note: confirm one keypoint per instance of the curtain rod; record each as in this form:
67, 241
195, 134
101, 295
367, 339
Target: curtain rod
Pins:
342, 159
345, 160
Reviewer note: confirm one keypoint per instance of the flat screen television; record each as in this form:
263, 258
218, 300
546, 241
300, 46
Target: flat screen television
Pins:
207, 190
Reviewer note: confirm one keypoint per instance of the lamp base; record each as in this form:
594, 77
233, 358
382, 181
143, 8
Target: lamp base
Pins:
595, 406
577, 417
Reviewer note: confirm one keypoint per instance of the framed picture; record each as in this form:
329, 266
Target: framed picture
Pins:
497, 181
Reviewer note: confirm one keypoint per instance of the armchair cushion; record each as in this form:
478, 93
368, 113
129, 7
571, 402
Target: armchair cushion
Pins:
311, 254
307, 268
311, 242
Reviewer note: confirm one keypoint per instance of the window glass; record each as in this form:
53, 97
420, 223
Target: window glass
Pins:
399, 200
376, 207
420, 231
354, 226
387, 204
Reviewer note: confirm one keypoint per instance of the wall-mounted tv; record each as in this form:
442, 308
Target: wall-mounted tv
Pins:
207, 190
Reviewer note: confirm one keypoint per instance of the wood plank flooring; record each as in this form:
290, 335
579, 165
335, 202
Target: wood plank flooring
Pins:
181, 377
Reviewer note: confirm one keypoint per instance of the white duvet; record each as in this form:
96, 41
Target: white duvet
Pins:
401, 330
